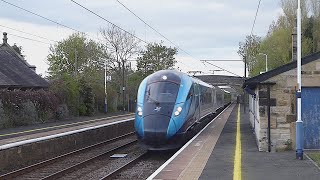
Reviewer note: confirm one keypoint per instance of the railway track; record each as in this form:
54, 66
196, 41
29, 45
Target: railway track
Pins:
142, 166
122, 168
60, 166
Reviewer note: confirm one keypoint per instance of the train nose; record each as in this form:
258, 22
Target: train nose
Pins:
155, 129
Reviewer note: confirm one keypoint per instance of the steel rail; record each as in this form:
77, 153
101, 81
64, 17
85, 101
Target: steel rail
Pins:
83, 163
123, 167
41, 164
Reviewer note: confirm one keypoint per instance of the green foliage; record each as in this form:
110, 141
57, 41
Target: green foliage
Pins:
315, 156
62, 112
278, 42
76, 67
249, 49
27, 107
134, 81
86, 99
155, 58
67, 88
121, 47
75, 55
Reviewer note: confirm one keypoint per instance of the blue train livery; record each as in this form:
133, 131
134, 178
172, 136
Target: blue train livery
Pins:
169, 104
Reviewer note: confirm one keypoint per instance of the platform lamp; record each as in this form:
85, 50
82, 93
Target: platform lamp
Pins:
299, 122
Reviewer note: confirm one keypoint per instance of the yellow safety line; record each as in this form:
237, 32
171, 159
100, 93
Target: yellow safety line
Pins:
237, 156
63, 125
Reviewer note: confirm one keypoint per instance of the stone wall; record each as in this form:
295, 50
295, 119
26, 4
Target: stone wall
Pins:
283, 106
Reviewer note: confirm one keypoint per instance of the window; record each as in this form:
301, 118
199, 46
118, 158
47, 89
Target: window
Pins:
159, 92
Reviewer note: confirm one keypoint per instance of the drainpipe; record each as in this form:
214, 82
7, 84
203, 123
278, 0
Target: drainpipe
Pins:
254, 114
269, 134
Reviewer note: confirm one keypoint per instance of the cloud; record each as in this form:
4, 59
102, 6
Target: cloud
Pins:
35, 52
205, 29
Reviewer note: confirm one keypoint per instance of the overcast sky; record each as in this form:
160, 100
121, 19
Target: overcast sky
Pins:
205, 29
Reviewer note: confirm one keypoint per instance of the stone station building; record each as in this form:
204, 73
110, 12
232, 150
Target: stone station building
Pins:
272, 105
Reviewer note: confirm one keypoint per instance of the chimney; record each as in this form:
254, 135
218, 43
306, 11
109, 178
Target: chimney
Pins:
5, 39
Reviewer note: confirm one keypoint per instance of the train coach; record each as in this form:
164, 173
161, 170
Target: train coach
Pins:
169, 105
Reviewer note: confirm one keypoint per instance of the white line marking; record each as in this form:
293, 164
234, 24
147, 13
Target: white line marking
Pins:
19, 143
314, 163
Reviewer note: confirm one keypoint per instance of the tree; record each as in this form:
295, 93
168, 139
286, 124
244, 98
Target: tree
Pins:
77, 64
121, 47
278, 42
315, 10
75, 55
156, 57
249, 49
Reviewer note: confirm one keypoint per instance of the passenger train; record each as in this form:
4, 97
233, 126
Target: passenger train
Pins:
170, 104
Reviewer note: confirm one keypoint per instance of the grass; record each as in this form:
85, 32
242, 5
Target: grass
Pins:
315, 156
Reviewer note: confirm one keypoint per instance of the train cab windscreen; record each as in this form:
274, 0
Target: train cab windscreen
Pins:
161, 92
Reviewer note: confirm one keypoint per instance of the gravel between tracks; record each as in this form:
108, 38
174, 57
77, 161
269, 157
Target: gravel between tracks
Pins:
144, 168
106, 164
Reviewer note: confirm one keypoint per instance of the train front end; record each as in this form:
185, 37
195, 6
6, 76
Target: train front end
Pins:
160, 114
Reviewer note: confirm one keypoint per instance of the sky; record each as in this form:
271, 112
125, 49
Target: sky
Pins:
203, 29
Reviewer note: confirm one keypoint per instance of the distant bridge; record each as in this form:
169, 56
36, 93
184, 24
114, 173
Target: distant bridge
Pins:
220, 80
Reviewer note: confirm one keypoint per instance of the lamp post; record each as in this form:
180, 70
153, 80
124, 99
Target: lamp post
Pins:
299, 125
266, 60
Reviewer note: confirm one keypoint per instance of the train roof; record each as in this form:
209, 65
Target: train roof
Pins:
181, 75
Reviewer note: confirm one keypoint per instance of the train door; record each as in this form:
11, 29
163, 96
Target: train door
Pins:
197, 101
192, 109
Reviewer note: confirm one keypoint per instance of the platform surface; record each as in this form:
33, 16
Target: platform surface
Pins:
18, 134
212, 155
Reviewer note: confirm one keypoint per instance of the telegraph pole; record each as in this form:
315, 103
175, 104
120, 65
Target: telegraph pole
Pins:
105, 87
123, 87
299, 125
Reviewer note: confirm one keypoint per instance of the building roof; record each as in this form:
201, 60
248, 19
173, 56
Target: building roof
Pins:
15, 72
254, 81
221, 79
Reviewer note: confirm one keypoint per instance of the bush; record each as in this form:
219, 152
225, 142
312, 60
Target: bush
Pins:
27, 107
87, 99
67, 89
28, 114
62, 112
3, 116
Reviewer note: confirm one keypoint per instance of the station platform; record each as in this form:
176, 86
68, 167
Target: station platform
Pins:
213, 155
23, 133
24, 146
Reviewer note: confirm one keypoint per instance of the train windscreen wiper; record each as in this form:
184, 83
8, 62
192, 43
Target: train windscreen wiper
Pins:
153, 100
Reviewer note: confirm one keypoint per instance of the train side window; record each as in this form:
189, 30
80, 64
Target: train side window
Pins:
190, 94
196, 89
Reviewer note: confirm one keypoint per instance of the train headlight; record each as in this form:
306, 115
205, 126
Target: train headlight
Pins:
178, 111
139, 109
